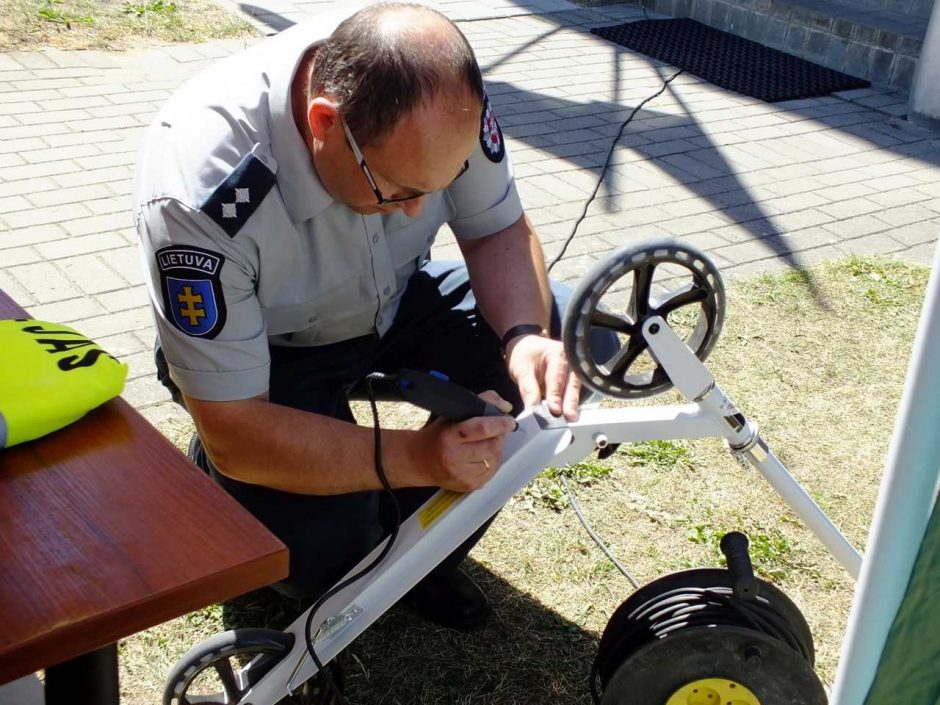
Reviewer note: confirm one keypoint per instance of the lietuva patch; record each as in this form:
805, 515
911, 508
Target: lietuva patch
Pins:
238, 197
190, 278
491, 136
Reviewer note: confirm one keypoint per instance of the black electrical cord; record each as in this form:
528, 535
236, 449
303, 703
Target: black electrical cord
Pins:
687, 608
331, 686
610, 154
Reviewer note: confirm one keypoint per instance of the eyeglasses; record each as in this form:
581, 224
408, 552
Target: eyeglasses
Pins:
357, 153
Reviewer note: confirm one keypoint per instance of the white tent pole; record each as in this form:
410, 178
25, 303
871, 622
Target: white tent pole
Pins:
902, 511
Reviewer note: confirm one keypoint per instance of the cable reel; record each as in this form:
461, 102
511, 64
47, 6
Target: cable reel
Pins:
707, 637
658, 277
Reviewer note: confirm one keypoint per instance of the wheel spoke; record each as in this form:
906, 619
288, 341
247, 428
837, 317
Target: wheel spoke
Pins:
621, 324
618, 365
690, 294
227, 676
642, 290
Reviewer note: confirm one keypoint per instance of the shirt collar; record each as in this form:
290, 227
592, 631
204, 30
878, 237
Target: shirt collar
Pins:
301, 189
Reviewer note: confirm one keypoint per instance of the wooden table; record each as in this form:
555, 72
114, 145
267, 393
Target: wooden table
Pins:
107, 529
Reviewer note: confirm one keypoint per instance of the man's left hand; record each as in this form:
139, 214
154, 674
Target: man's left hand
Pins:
539, 366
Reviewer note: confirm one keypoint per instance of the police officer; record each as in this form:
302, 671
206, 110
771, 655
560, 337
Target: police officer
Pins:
286, 202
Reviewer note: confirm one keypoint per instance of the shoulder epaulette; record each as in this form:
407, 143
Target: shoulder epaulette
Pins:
235, 200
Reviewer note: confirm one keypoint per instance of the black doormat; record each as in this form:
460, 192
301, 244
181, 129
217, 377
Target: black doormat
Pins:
728, 61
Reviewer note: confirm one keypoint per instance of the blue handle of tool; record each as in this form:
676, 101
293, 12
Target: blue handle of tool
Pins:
435, 393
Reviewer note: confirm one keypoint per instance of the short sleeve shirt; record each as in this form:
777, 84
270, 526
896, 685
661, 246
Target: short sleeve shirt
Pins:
244, 248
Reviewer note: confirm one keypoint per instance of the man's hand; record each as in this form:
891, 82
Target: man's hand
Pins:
463, 456
539, 366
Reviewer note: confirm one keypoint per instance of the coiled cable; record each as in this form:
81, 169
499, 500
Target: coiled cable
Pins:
689, 608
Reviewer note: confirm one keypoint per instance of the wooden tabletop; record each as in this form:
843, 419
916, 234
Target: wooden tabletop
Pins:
107, 529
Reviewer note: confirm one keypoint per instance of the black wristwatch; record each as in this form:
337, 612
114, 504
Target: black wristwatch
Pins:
521, 329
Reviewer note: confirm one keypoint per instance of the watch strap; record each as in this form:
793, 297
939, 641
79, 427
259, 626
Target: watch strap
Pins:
518, 330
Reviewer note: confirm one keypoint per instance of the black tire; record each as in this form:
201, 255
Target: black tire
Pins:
610, 653
703, 294
234, 661
775, 674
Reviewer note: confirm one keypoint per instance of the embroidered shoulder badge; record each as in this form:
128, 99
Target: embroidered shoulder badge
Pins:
190, 280
238, 197
491, 136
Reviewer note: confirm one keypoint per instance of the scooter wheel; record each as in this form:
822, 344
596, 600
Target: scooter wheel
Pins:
660, 277
223, 668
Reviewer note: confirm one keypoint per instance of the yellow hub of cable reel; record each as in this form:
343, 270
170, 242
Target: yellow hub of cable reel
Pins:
713, 691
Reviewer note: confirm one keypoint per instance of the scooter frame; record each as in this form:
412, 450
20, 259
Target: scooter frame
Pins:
541, 440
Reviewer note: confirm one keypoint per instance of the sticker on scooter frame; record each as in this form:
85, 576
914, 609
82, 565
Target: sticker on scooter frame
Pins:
442, 501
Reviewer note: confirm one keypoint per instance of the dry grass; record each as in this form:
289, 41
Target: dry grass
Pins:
113, 24
822, 373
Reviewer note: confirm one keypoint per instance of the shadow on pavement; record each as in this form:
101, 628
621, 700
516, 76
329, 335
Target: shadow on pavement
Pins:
654, 142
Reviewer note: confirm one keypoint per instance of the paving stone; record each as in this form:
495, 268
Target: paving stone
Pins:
68, 310
692, 224
95, 176
924, 254
120, 322
917, 233
144, 391
850, 208
82, 245
33, 172
880, 244
904, 215
858, 226
38, 156
899, 197
11, 204
30, 235
98, 223
15, 290
91, 274
44, 216
19, 255
44, 282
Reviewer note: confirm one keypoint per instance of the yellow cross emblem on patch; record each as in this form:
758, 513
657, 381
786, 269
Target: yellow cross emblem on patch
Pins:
188, 300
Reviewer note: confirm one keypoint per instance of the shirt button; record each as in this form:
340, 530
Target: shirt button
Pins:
386, 290
375, 237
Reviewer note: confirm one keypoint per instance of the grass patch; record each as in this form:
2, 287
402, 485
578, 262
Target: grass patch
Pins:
662, 454
113, 24
818, 360
546, 489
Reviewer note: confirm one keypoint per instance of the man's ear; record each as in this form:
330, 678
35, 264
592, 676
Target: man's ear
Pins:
322, 117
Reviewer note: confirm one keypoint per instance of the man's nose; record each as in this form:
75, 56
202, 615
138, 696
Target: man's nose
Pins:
413, 206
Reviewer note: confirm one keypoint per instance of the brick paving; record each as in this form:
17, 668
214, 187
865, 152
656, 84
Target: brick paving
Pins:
760, 187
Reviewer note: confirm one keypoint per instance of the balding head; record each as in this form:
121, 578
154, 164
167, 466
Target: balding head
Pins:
385, 60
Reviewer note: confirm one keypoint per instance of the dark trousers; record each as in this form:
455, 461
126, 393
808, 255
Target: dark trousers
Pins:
437, 327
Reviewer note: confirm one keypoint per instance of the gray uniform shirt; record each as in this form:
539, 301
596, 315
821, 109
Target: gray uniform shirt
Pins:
244, 248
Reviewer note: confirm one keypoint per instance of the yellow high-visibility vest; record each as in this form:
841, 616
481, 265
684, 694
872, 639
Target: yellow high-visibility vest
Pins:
50, 376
